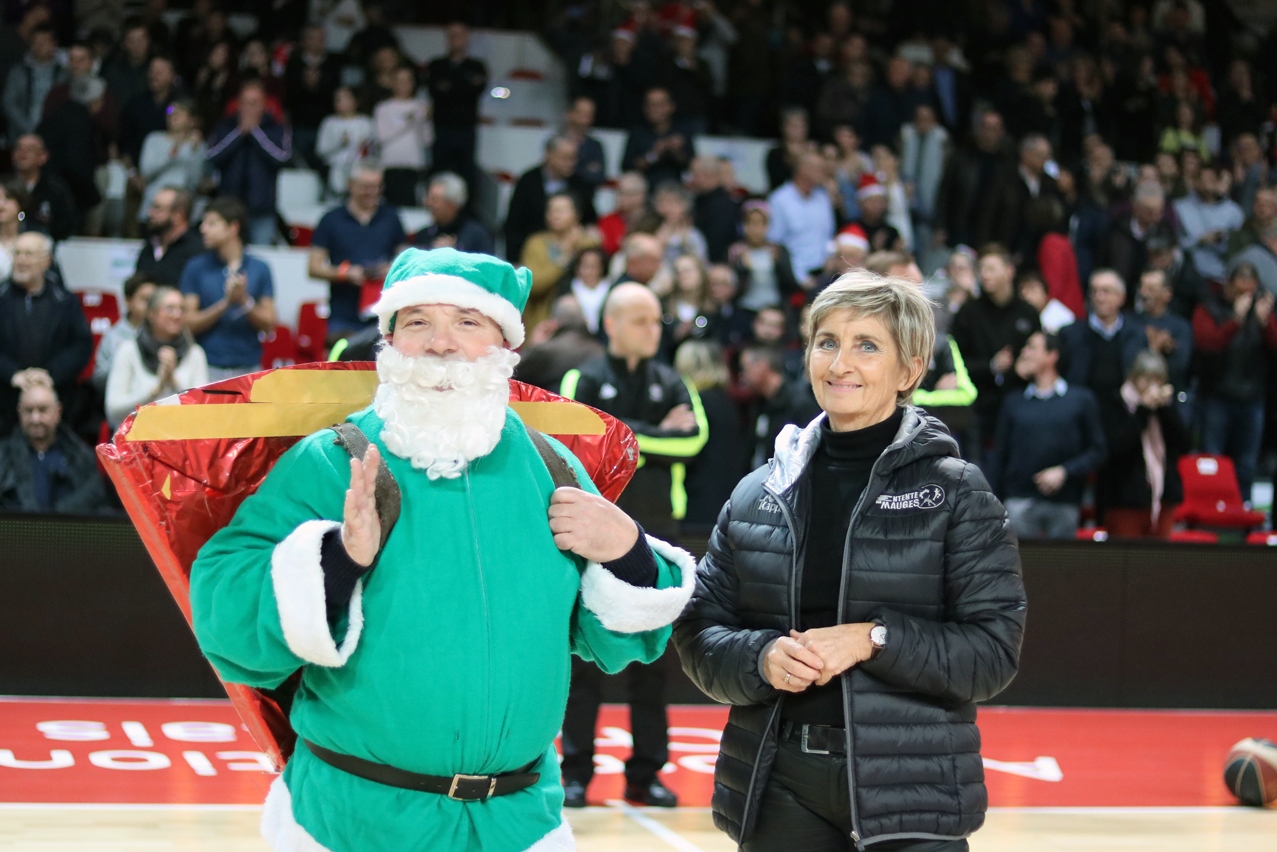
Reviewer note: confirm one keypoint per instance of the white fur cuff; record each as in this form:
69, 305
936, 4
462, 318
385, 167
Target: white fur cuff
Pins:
299, 594
280, 828
623, 608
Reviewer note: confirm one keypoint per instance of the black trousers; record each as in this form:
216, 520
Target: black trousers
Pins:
648, 722
453, 151
806, 808
401, 187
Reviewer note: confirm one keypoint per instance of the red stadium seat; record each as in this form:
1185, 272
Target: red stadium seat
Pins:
278, 348
300, 235
312, 332
1212, 497
1194, 537
1264, 537
102, 310
1092, 534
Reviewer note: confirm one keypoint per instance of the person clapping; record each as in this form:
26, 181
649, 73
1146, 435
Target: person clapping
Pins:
163, 360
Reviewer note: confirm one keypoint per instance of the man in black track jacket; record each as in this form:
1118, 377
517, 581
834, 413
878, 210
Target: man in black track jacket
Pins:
667, 418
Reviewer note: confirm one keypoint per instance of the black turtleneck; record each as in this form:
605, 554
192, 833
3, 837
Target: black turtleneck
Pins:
837, 476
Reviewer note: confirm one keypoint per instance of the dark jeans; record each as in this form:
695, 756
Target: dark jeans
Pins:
806, 808
401, 187
648, 722
1233, 429
304, 139
453, 151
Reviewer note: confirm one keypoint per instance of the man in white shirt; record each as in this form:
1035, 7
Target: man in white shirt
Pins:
803, 218
1207, 218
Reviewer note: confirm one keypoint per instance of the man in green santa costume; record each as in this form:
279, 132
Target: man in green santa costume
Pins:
434, 667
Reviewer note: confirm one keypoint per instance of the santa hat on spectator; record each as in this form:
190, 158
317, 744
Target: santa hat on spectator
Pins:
869, 186
852, 236
445, 276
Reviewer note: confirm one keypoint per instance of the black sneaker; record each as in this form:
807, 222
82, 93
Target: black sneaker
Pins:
573, 794
655, 795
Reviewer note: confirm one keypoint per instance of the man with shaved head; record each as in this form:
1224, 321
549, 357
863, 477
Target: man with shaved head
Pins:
667, 418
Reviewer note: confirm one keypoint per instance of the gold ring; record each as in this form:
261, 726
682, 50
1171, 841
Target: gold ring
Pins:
786, 677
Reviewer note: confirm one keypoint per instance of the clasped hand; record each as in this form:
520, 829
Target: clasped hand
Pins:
817, 656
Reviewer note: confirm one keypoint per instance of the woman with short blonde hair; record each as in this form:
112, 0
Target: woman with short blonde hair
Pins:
861, 593
1140, 487
906, 313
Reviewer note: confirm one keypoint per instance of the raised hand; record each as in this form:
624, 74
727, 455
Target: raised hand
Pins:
361, 528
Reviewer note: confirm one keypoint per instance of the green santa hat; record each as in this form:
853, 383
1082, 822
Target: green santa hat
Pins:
445, 276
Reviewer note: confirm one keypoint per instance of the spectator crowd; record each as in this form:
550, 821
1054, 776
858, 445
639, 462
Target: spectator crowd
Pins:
1085, 191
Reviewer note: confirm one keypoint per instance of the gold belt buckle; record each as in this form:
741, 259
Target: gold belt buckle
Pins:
457, 779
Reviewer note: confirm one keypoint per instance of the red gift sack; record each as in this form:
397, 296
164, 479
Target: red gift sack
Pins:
183, 465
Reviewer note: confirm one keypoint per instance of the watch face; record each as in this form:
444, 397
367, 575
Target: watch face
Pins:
878, 635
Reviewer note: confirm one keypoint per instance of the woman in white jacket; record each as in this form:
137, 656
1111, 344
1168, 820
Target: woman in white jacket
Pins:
404, 133
344, 139
172, 157
163, 360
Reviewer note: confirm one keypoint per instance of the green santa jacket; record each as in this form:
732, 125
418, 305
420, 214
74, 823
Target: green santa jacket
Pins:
454, 657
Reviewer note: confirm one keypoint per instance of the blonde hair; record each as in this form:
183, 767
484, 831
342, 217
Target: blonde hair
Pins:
901, 306
701, 363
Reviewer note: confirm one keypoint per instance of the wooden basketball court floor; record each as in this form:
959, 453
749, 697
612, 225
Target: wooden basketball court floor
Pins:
104, 775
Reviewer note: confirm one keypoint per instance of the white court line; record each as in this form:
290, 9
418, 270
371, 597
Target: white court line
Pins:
673, 838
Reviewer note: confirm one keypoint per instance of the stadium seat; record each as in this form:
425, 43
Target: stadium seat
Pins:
1194, 537
298, 188
299, 236
1264, 537
102, 310
278, 348
1092, 534
312, 332
1212, 497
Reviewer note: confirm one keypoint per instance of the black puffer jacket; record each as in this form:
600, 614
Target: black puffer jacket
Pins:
931, 556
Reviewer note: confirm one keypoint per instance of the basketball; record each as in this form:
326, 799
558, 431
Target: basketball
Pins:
1250, 771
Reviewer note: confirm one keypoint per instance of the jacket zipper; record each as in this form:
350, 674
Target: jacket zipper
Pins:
487, 616
846, 681
793, 620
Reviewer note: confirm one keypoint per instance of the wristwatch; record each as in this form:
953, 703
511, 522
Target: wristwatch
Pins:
878, 637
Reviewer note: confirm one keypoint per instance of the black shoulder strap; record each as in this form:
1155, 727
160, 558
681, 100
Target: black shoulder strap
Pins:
351, 438
560, 471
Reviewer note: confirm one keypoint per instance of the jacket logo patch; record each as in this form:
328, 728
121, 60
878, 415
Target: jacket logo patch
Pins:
768, 504
926, 497
607, 392
656, 393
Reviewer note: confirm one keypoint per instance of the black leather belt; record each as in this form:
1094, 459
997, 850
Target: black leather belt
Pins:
463, 788
815, 739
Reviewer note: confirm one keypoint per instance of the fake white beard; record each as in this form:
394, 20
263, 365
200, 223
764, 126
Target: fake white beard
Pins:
442, 413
